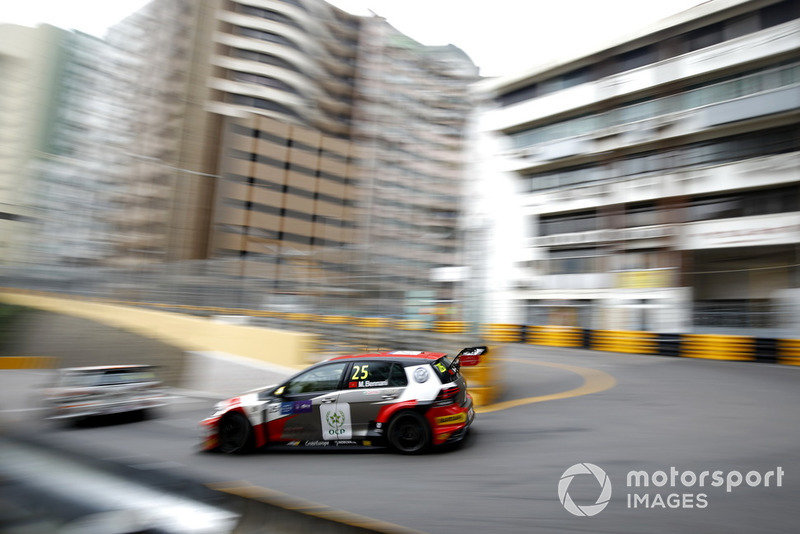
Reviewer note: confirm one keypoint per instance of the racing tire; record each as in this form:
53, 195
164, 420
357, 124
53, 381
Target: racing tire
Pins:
235, 434
408, 433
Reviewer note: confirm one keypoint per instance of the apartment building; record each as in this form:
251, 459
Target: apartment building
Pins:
30, 62
165, 142
659, 176
313, 145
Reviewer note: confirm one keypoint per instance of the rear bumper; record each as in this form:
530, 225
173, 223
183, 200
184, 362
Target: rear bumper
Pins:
77, 410
450, 424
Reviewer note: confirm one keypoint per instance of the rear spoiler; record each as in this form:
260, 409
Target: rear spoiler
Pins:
470, 356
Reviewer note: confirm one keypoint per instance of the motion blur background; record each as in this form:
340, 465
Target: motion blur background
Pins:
289, 156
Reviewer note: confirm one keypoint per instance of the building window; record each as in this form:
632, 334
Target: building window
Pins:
711, 92
745, 204
645, 214
262, 35
637, 58
265, 81
573, 261
570, 223
695, 40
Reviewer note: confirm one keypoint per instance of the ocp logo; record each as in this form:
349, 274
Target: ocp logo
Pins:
584, 469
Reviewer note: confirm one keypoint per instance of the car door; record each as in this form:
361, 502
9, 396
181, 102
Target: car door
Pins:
305, 404
368, 387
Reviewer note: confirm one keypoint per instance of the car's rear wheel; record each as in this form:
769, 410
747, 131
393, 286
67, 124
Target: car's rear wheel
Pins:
235, 434
408, 433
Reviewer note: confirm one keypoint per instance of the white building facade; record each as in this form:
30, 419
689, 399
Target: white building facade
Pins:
659, 177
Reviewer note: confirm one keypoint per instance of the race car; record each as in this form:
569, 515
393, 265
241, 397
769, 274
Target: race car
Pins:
83, 392
409, 401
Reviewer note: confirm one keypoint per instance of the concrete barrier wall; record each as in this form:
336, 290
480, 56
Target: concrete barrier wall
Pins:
186, 332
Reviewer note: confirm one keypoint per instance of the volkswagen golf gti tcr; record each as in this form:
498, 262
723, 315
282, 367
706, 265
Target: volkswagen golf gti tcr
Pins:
409, 401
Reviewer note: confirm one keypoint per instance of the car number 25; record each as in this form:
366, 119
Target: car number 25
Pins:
360, 372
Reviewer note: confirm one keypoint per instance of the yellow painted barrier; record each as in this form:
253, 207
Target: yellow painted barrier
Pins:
718, 347
411, 324
627, 341
789, 351
28, 362
483, 379
451, 327
372, 322
555, 336
502, 332
333, 319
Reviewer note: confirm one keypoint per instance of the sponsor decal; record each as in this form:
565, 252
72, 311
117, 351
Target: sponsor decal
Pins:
318, 443
302, 406
289, 408
420, 374
336, 424
451, 419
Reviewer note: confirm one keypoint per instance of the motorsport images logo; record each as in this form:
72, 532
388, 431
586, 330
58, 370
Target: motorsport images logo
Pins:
665, 489
584, 469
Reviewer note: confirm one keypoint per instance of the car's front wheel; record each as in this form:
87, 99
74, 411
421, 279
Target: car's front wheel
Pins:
408, 433
235, 434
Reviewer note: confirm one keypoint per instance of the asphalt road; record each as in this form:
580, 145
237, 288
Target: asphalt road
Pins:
679, 423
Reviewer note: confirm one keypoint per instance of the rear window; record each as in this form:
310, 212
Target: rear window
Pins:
127, 376
444, 368
107, 377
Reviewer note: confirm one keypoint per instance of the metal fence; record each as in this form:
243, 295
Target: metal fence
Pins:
218, 287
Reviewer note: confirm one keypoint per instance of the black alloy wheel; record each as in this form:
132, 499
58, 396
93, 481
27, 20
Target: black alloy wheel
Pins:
408, 433
235, 434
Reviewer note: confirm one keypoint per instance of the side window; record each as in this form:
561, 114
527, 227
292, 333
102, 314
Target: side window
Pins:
365, 375
325, 378
398, 377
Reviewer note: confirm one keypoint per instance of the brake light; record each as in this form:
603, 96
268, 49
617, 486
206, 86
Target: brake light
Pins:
446, 396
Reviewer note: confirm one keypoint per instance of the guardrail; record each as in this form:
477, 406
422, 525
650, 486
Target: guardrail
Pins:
342, 333
703, 346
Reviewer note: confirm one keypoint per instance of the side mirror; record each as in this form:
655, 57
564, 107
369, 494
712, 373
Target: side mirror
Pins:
471, 356
279, 391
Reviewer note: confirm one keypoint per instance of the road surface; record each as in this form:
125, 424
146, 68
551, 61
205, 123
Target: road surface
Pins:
681, 425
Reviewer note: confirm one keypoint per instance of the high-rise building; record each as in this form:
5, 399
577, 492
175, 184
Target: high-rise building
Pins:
660, 175
314, 145
166, 168
30, 62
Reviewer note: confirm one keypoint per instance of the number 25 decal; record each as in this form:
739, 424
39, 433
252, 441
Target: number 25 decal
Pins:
360, 372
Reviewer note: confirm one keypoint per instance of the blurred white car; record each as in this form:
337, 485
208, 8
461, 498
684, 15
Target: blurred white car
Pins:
80, 392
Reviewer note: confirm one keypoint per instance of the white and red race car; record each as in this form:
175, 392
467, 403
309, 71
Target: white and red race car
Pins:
409, 401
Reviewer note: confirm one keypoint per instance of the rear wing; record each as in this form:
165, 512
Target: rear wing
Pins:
470, 356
